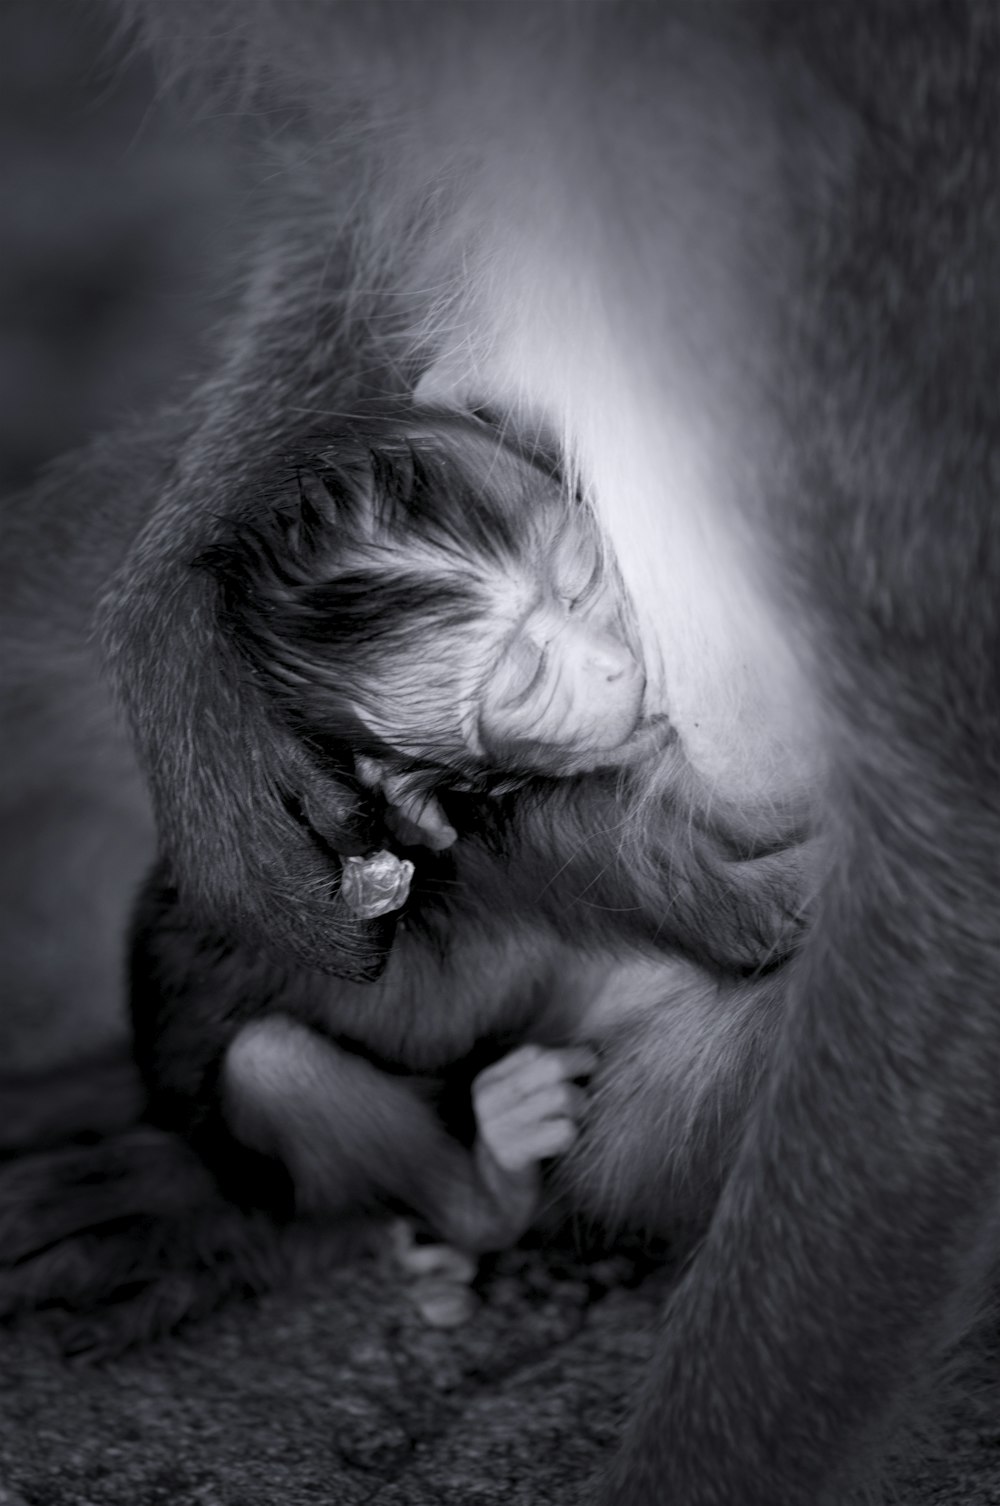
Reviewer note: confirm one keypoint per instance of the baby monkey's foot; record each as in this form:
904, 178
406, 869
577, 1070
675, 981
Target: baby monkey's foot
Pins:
527, 1108
441, 1276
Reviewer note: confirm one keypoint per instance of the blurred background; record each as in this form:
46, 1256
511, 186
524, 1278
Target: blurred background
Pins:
116, 218
112, 216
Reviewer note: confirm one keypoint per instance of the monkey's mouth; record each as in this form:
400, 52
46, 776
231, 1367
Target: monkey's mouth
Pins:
656, 720
651, 732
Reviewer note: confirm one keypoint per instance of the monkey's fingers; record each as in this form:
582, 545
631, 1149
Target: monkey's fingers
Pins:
521, 1145
537, 1088
534, 1065
441, 1277
427, 1259
442, 1302
553, 1137
419, 819
502, 1116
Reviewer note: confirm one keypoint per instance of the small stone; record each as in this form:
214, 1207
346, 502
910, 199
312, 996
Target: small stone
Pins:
375, 885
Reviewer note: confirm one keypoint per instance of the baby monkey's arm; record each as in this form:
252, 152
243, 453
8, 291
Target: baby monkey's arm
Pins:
589, 867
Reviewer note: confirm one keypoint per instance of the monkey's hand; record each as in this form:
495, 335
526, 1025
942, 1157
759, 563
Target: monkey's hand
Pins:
251, 821
419, 821
527, 1107
441, 1276
412, 815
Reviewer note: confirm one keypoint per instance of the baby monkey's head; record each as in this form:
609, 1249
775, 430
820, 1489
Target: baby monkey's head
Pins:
419, 592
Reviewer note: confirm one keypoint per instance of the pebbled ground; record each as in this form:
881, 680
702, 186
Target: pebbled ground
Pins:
336, 1395
339, 1394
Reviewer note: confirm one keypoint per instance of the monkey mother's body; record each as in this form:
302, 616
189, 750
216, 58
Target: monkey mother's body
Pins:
743, 261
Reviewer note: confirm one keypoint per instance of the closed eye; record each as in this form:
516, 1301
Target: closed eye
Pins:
581, 596
530, 668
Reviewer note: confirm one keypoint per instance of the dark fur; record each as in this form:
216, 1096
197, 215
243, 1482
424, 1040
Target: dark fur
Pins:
320, 589
494, 953
836, 327
505, 937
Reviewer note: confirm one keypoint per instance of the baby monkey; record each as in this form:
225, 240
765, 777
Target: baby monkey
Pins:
431, 614
438, 607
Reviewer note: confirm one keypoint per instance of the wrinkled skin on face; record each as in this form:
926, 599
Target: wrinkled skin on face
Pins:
563, 682
566, 681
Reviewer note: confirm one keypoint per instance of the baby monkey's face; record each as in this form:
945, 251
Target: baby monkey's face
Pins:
564, 681
491, 636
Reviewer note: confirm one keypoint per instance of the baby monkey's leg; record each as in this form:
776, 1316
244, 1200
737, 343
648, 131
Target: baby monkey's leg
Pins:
351, 1135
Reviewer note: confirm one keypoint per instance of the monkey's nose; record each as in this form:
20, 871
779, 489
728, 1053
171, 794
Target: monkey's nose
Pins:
611, 661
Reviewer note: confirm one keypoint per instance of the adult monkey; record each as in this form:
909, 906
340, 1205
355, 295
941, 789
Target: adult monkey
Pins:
740, 260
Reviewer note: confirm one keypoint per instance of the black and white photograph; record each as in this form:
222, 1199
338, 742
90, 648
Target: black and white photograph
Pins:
499, 752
